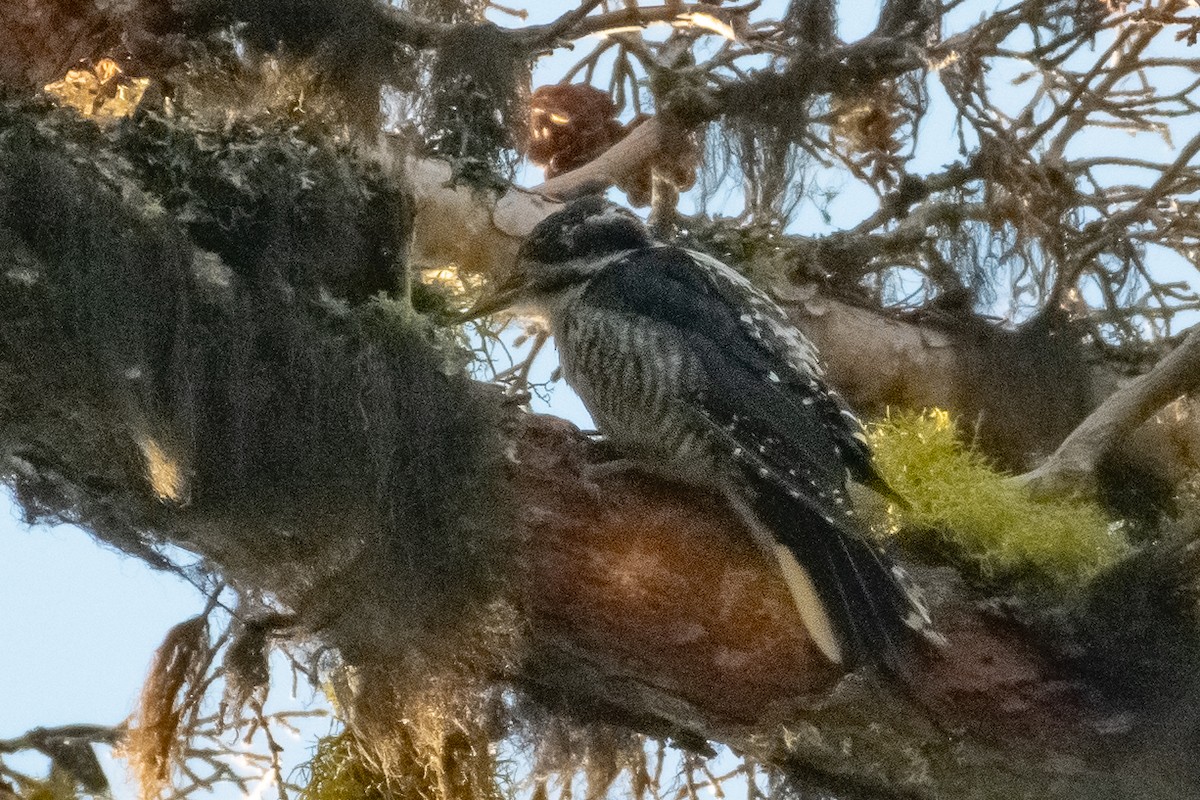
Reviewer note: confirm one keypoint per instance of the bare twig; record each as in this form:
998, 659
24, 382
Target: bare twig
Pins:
539, 36
36, 738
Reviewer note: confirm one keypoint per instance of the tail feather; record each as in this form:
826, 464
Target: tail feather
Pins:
809, 603
869, 612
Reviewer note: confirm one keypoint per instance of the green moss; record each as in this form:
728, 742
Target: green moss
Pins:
337, 772
58, 785
977, 517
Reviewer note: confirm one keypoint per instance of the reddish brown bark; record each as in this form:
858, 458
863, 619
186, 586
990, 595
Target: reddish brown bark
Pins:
660, 580
662, 584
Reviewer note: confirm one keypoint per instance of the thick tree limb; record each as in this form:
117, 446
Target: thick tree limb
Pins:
1021, 402
626, 158
618, 578
628, 628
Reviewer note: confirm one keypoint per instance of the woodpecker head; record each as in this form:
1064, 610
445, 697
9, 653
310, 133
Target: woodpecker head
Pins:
565, 250
586, 231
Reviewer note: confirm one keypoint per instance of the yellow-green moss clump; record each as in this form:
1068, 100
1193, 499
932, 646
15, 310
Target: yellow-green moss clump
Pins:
974, 514
338, 772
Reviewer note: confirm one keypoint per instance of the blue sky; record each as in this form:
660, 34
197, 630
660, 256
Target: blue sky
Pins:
78, 624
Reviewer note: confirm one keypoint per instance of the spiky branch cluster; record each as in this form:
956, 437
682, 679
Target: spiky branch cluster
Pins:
1043, 204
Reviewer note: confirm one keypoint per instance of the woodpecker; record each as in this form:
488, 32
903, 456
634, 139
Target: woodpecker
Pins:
694, 374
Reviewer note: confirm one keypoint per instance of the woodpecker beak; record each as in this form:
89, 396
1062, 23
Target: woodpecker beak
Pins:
499, 300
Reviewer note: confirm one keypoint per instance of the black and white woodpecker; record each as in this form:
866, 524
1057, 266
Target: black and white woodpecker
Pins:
693, 373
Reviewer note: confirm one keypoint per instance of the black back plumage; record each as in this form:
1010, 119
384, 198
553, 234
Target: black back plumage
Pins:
781, 431
751, 385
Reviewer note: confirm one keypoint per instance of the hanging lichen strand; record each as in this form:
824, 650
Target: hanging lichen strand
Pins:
478, 81
246, 352
280, 58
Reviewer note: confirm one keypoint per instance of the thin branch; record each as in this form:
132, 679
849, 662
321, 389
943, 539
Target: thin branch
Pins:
577, 24
625, 158
36, 738
539, 36
1073, 465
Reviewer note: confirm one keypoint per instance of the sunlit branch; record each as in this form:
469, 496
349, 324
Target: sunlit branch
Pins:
626, 157
640, 17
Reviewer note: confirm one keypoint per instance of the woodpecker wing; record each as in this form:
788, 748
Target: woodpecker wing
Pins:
765, 323
760, 374
759, 397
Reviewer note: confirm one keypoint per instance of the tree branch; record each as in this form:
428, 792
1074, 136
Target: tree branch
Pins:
36, 738
577, 24
540, 36
626, 158
928, 360
1073, 464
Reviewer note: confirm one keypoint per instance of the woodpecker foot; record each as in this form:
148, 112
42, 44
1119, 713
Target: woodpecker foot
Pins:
592, 474
607, 469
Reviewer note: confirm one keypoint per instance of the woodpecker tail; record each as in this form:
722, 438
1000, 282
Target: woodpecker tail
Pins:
854, 603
